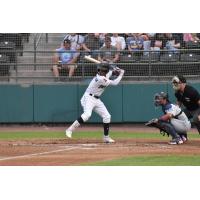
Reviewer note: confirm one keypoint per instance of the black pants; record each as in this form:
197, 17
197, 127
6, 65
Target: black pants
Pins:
194, 115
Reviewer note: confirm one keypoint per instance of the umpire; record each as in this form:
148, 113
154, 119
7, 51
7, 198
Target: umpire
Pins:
189, 97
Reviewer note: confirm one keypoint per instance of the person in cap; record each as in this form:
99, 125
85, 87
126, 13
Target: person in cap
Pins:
174, 122
188, 97
65, 59
91, 101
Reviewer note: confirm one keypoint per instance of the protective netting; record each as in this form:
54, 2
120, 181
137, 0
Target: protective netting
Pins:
33, 57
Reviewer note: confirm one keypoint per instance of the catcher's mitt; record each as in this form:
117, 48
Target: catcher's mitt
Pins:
157, 124
152, 122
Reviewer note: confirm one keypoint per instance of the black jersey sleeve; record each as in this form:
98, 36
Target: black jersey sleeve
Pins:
194, 94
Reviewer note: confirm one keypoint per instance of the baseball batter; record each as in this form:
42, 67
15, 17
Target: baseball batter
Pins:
91, 100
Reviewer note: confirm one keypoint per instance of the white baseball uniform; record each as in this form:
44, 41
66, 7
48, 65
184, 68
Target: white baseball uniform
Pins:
179, 119
91, 98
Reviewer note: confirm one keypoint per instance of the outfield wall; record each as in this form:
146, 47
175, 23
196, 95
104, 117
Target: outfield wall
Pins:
61, 103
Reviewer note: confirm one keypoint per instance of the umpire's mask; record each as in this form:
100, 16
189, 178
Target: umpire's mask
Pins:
176, 81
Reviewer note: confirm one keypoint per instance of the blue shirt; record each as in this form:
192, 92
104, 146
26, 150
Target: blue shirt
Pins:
66, 55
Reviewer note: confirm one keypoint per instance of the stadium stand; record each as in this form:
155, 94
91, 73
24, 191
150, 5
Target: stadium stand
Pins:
29, 58
4, 66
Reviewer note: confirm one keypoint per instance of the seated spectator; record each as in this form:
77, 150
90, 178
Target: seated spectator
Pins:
108, 53
135, 43
190, 37
157, 42
101, 37
91, 44
146, 43
118, 41
191, 40
173, 42
65, 58
76, 40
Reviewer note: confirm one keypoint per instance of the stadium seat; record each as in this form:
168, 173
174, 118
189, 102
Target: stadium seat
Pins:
4, 65
16, 38
169, 57
153, 57
129, 58
8, 48
189, 57
192, 45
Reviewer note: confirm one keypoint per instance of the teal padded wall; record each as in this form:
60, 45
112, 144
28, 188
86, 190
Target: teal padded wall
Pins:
16, 103
138, 101
61, 103
55, 103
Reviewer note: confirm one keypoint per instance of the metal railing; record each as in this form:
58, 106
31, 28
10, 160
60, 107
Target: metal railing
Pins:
152, 66
37, 40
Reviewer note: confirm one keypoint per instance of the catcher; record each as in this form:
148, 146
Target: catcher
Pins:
174, 122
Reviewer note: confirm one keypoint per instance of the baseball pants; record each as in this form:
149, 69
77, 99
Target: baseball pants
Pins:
90, 103
180, 126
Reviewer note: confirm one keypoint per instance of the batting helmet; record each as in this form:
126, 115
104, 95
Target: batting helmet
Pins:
103, 67
158, 97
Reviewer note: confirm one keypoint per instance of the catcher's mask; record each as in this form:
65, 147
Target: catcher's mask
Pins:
103, 67
176, 81
158, 97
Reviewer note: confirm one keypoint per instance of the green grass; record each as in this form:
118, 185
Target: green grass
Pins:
79, 135
165, 160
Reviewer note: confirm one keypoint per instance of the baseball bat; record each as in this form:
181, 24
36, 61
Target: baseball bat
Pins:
89, 58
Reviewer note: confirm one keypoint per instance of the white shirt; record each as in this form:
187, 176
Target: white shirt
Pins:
120, 40
99, 83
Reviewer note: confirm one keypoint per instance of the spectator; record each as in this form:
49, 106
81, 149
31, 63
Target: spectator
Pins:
101, 37
146, 42
190, 37
108, 53
91, 44
191, 40
65, 58
173, 43
157, 42
118, 41
76, 40
134, 42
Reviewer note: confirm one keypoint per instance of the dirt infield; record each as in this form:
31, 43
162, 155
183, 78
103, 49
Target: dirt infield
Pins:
62, 152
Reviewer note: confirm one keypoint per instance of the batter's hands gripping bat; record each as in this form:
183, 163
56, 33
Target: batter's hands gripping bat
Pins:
116, 70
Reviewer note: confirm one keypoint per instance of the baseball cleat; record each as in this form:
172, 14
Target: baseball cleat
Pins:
68, 133
176, 141
108, 139
184, 139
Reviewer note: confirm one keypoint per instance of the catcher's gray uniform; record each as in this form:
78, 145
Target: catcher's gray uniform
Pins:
179, 120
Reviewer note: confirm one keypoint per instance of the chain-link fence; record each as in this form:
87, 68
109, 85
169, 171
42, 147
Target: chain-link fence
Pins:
43, 57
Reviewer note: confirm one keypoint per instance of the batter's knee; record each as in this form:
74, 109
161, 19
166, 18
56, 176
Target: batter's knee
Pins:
107, 118
85, 116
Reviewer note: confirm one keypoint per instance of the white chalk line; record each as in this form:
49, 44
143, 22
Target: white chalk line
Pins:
81, 146
38, 154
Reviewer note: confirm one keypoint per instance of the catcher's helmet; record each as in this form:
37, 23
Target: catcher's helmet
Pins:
158, 97
103, 67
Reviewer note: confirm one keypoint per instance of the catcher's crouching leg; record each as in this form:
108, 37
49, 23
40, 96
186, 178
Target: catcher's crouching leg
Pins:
168, 128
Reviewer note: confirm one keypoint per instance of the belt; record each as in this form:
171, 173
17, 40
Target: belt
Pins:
176, 116
97, 97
